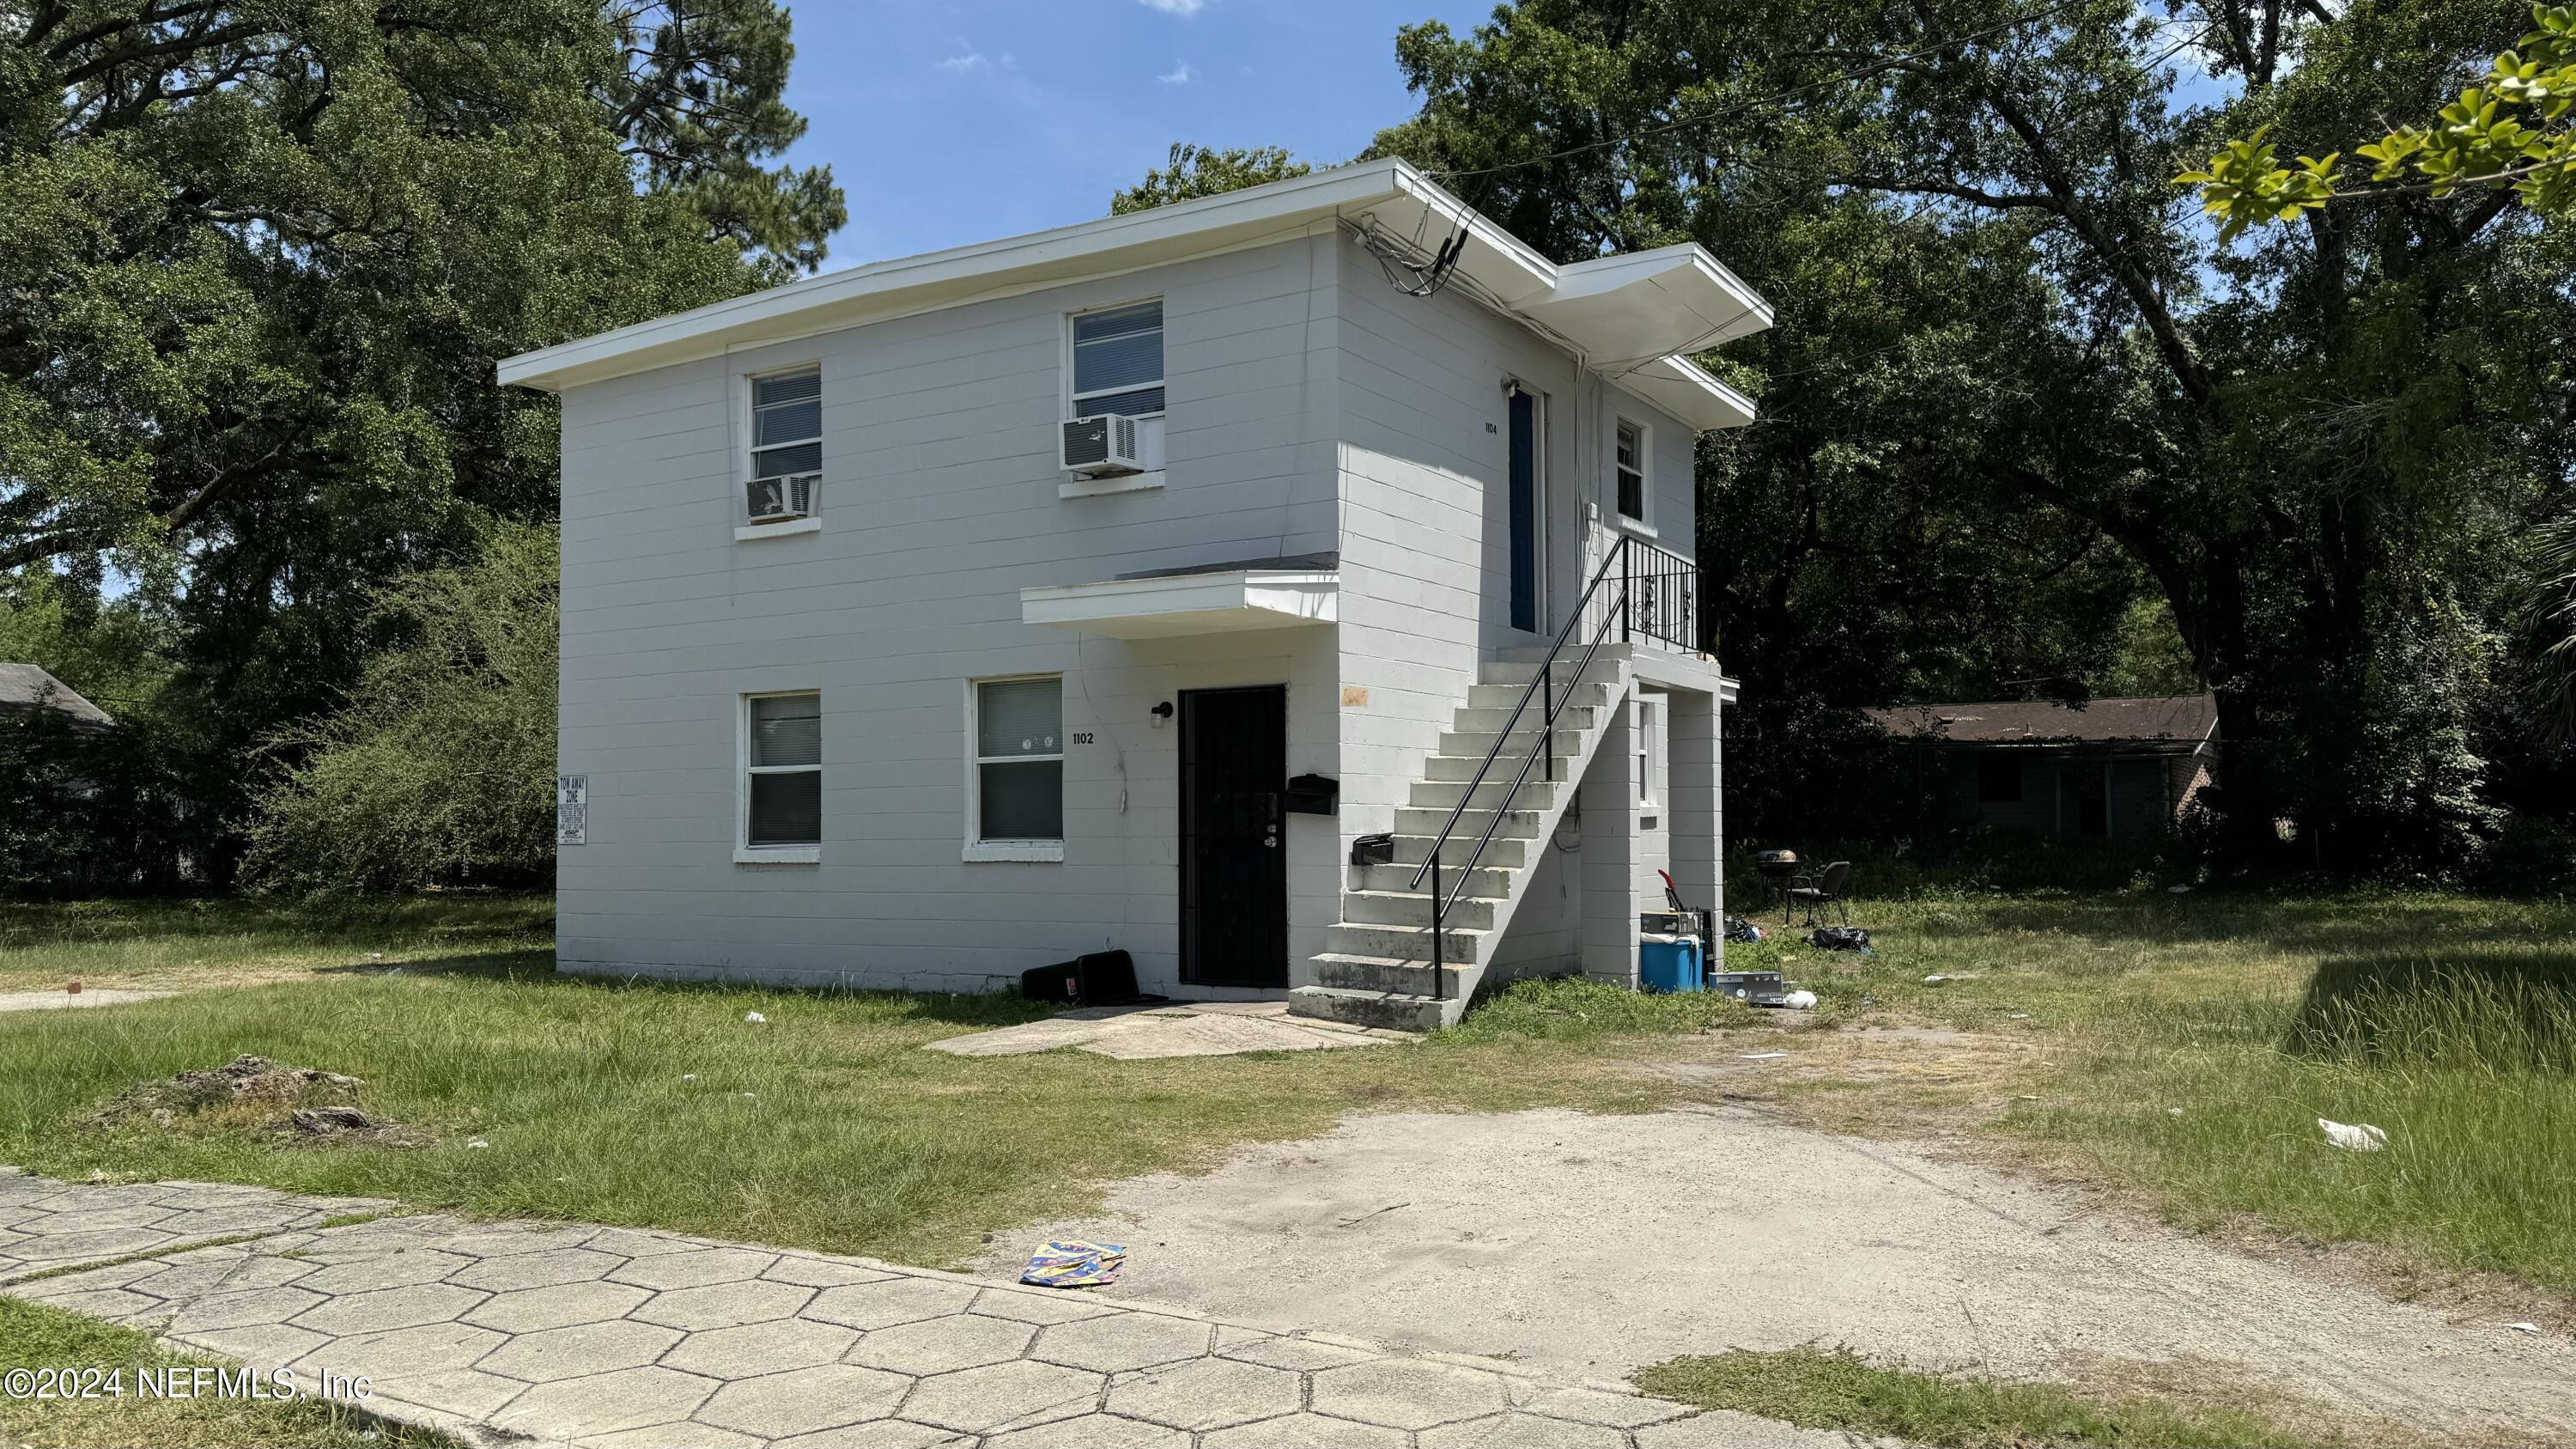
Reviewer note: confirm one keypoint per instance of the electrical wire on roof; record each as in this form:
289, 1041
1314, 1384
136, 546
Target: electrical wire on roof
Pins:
1412, 277
1406, 266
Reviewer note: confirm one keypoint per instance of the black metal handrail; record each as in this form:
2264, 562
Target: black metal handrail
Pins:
1542, 684
1659, 596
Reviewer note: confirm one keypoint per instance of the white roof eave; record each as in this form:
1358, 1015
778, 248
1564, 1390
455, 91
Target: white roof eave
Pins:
1613, 308
1683, 388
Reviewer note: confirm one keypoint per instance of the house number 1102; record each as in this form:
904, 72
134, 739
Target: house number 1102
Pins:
1082, 737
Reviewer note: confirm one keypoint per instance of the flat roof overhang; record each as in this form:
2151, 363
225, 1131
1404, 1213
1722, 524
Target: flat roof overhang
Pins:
1172, 607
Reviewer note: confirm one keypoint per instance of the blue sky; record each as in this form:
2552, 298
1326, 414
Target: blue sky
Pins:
955, 121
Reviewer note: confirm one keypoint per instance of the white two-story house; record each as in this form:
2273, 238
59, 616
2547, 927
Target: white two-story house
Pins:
1119, 586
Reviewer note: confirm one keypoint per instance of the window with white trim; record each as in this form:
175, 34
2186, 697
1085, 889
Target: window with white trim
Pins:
1632, 470
1647, 732
786, 445
1018, 739
1118, 361
782, 798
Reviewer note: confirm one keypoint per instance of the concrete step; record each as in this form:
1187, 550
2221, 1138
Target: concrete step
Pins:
1505, 696
1473, 743
1612, 652
1469, 719
1519, 672
1383, 974
1504, 854
1391, 1010
1492, 881
1407, 943
1538, 794
1459, 769
1413, 908
1517, 825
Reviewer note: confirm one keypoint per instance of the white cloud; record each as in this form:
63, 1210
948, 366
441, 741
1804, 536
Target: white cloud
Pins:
968, 61
1182, 8
1181, 74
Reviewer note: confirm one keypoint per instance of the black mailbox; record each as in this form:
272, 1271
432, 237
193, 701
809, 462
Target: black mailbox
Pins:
1373, 850
1314, 795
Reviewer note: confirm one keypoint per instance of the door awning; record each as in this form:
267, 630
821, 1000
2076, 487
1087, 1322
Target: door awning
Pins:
1221, 598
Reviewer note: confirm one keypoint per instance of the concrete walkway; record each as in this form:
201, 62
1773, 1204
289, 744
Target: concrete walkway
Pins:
1170, 1029
555, 1333
60, 1000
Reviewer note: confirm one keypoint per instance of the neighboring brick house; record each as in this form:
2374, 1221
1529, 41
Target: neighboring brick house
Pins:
2110, 769
952, 615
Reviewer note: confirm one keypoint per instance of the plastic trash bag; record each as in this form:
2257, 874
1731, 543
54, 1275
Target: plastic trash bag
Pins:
2353, 1137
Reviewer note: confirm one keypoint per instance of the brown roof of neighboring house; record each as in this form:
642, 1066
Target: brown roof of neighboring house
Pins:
24, 686
2173, 721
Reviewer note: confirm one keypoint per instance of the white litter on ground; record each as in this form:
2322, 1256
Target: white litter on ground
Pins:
2524, 1327
1760, 1056
2353, 1137
2173, 1111
1799, 1001
476, 1142
753, 1016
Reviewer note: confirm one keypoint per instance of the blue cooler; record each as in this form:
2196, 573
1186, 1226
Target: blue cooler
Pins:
1668, 963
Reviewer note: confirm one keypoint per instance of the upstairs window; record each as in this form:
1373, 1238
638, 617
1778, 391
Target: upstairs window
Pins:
783, 752
1118, 361
786, 444
1019, 760
787, 424
1632, 471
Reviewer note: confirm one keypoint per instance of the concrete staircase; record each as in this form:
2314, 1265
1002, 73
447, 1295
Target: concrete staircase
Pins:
1375, 969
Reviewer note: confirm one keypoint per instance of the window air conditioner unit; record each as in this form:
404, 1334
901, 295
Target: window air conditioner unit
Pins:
790, 496
1096, 447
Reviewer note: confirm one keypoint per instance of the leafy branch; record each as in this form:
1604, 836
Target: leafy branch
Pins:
2510, 134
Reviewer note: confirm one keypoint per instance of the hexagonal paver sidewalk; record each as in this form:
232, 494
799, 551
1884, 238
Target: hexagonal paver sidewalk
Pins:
45, 1224
622, 1338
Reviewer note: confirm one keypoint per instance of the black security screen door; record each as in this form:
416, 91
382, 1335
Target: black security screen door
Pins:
1234, 827
1524, 512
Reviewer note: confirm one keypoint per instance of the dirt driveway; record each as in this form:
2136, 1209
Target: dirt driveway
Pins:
1596, 1245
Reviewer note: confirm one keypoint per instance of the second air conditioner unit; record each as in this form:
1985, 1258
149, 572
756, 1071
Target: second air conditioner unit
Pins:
788, 496
1099, 446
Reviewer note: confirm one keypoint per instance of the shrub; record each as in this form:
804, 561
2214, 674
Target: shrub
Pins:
440, 771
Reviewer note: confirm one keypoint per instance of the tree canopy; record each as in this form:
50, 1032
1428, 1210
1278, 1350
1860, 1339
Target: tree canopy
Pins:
2316, 448
1195, 171
258, 258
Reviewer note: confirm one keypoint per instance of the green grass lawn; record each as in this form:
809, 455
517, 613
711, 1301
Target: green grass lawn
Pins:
1817, 1389
648, 1103
35, 1337
2445, 1020
158, 944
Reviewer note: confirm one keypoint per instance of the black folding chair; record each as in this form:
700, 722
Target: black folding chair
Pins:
1831, 888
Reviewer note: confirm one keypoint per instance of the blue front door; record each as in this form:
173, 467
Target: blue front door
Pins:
1524, 505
